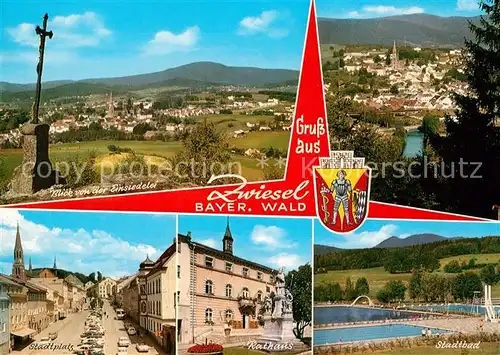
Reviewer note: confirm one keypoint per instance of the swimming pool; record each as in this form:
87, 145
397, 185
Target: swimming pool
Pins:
344, 314
464, 308
386, 331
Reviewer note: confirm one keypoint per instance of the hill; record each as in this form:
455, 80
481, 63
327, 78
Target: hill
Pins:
189, 75
417, 29
324, 249
416, 239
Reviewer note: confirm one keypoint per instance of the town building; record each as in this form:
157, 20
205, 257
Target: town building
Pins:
130, 298
218, 289
106, 288
161, 296
7, 287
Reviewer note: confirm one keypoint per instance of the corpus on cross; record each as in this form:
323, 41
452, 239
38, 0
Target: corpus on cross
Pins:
43, 33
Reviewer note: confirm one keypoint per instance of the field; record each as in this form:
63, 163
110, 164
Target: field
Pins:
378, 277
60, 152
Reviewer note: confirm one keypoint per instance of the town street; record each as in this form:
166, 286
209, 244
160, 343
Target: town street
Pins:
70, 328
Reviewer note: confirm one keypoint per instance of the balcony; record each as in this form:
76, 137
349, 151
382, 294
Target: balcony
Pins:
246, 302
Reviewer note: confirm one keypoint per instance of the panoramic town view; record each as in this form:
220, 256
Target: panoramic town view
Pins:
401, 287
192, 109
245, 285
83, 283
411, 88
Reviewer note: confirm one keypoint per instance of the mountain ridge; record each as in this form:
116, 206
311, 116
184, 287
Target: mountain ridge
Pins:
199, 72
416, 29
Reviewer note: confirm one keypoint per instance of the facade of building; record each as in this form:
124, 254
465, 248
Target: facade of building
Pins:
47, 274
106, 288
144, 269
63, 290
6, 287
220, 288
130, 298
161, 294
38, 318
88, 285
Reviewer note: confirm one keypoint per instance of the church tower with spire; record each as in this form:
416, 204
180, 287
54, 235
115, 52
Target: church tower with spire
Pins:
111, 107
227, 241
18, 270
394, 57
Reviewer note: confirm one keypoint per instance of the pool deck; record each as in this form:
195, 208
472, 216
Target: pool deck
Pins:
462, 325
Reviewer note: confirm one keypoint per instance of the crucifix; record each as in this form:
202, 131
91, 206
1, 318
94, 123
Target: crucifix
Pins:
43, 33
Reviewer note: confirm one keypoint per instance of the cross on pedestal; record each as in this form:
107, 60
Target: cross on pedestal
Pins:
36, 172
43, 33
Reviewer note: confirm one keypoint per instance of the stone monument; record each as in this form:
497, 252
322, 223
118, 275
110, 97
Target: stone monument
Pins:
35, 172
278, 315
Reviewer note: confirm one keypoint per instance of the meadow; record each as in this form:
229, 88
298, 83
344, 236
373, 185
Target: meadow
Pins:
60, 152
377, 277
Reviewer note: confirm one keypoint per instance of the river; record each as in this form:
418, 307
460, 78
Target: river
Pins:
414, 142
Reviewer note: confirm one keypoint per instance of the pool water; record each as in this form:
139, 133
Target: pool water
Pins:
326, 315
386, 331
465, 308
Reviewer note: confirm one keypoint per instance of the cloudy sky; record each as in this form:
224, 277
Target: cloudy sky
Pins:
112, 243
372, 232
116, 38
273, 242
378, 8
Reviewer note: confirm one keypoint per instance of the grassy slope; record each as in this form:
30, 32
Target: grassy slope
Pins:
377, 277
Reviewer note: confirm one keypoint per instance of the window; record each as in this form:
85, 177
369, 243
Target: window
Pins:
268, 289
178, 271
209, 287
229, 315
271, 278
245, 293
259, 296
229, 291
178, 245
209, 261
208, 315
259, 275
229, 267
245, 272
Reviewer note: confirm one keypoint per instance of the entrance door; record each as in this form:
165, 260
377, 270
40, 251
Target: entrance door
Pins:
244, 321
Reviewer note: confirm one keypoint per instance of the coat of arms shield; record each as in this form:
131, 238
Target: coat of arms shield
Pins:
342, 191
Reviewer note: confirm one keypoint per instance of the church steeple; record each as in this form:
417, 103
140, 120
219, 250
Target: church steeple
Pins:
227, 241
18, 269
31, 266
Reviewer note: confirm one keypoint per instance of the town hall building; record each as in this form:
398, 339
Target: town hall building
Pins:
218, 289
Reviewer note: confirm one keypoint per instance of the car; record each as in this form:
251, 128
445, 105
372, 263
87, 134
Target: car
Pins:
142, 348
45, 339
122, 351
123, 341
53, 335
131, 331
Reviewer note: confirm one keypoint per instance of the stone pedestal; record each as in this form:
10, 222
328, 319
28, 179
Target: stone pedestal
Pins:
36, 172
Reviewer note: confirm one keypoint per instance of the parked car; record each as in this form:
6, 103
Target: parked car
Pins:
142, 348
45, 339
53, 336
123, 341
122, 351
131, 331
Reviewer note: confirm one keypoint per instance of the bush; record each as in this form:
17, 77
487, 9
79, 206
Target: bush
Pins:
453, 267
205, 348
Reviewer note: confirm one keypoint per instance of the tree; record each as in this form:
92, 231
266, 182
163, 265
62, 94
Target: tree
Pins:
377, 59
392, 291
489, 275
471, 134
142, 128
350, 292
394, 89
415, 285
91, 276
299, 282
362, 287
205, 153
99, 276
464, 285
